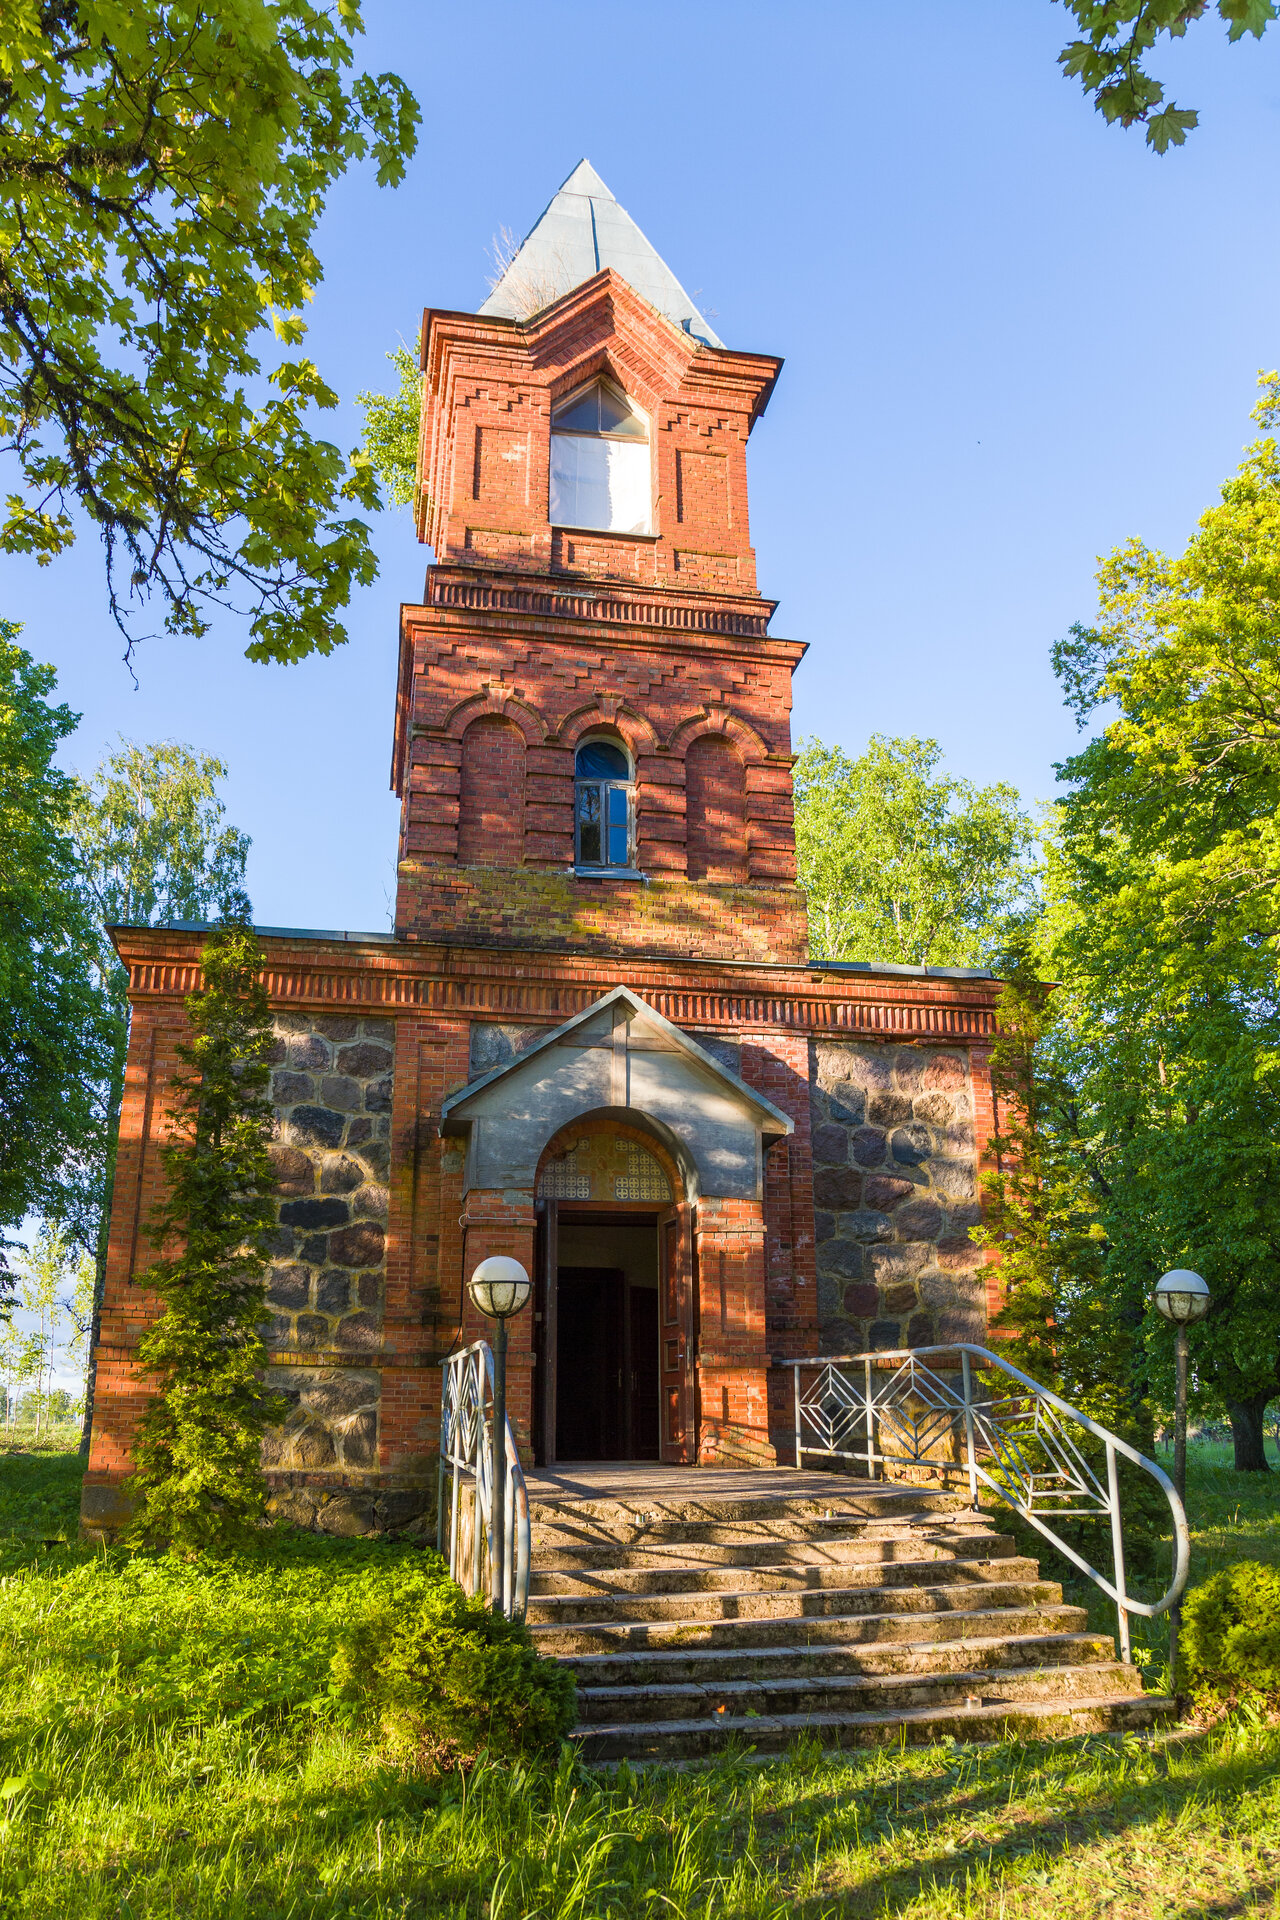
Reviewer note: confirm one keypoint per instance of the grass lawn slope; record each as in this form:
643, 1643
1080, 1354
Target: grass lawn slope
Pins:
171, 1748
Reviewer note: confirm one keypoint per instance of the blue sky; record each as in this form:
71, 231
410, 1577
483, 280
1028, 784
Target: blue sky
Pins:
1013, 337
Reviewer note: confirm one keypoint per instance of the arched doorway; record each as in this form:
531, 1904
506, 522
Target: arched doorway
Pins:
614, 1296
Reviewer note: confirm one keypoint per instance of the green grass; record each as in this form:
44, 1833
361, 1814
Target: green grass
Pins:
171, 1749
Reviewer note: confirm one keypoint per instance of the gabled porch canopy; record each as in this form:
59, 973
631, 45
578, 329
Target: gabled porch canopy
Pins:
619, 1055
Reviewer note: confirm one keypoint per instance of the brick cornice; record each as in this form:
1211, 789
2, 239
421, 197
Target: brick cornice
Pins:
473, 982
667, 611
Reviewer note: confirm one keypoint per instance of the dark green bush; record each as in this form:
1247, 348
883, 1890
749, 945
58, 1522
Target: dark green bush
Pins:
1231, 1628
446, 1679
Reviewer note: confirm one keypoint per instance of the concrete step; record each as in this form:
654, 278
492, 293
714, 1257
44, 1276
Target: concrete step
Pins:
709, 1666
912, 1544
851, 1694
703, 1738
689, 1633
741, 1603
801, 1578
729, 1528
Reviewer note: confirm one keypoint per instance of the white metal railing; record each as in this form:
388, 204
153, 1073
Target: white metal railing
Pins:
464, 1527
965, 1408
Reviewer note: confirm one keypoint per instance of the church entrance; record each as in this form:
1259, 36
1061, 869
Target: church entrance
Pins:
607, 1338
613, 1352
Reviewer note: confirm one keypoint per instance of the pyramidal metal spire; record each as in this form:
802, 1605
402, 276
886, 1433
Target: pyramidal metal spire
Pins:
580, 232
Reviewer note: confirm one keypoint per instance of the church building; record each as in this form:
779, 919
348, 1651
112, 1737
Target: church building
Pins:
596, 1038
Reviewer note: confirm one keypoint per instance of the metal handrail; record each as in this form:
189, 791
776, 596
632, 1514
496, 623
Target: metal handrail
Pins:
466, 1457
1015, 1444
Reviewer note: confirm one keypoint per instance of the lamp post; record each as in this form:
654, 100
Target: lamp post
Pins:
500, 1287
1181, 1296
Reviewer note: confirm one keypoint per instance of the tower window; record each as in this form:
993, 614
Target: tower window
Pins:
600, 470
604, 805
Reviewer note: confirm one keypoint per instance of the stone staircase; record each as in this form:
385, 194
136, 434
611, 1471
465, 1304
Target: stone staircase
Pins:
877, 1614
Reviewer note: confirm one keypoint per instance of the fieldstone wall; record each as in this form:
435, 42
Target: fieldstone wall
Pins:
895, 1194
331, 1085
495, 1042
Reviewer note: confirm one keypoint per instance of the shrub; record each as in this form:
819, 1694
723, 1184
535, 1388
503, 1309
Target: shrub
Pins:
1231, 1628
447, 1678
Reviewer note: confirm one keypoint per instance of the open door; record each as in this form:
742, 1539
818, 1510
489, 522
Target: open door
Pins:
676, 1294
547, 1307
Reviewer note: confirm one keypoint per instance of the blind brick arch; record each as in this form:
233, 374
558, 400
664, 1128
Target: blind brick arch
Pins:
715, 810
491, 798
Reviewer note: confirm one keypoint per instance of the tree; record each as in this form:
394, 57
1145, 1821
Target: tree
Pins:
163, 167
391, 422
153, 849
42, 1269
1163, 884
901, 865
1117, 37
198, 1479
55, 1037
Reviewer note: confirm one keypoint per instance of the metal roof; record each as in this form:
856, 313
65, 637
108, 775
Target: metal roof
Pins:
582, 231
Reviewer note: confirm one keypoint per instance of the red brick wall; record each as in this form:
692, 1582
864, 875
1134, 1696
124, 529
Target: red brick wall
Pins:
489, 389
491, 804
715, 809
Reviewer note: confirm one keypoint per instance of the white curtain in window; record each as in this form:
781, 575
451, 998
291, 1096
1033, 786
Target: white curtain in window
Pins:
599, 483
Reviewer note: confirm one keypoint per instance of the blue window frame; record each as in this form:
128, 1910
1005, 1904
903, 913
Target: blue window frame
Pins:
604, 805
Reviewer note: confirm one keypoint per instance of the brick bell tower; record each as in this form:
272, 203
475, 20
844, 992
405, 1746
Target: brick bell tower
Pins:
595, 1039
593, 744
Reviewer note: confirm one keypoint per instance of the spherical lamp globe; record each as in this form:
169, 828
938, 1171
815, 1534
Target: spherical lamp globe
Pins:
500, 1287
1182, 1296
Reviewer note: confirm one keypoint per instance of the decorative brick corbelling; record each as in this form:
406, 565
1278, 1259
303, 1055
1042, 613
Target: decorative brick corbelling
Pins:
524, 983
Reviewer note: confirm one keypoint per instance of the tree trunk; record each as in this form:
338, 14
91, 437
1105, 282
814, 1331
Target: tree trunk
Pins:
1246, 1417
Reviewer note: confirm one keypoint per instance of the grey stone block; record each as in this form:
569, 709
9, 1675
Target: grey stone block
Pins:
336, 1026
347, 1516
844, 1258
918, 1220
340, 1091
359, 1245
339, 1173
315, 1213
956, 1178
288, 1288
307, 1053
359, 1331
363, 1060
333, 1291
839, 1188
911, 1145
831, 1146
868, 1147
901, 1261
370, 1203
377, 1096
866, 1224
358, 1439
295, 1173
288, 1088
317, 1126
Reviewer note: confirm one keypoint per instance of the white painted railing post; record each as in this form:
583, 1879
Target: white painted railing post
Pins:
1117, 1552
971, 1457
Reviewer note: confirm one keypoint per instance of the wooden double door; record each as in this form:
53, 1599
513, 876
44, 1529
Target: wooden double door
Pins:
614, 1358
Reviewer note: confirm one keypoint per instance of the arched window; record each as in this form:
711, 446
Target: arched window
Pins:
604, 805
600, 471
